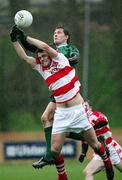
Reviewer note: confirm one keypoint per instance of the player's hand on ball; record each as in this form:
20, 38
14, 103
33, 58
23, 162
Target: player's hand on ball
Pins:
81, 157
21, 34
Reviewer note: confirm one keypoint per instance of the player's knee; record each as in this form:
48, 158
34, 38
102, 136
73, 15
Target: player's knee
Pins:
44, 119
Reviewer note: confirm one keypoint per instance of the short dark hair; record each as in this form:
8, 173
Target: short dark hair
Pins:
66, 32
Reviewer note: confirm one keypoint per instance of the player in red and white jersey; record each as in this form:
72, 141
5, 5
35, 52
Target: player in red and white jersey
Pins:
61, 39
98, 118
60, 78
70, 115
101, 125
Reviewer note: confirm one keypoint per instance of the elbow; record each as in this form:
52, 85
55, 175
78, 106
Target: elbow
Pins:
24, 57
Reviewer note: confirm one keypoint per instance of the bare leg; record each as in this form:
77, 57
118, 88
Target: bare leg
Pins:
91, 138
93, 167
56, 138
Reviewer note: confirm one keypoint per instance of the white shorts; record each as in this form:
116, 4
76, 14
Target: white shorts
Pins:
115, 151
72, 119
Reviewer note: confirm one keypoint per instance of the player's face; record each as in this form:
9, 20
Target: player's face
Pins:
59, 37
87, 106
44, 59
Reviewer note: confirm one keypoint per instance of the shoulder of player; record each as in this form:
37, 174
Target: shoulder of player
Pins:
96, 112
71, 46
99, 115
60, 55
73, 49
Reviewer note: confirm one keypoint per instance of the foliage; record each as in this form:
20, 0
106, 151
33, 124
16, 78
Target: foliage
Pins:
25, 121
103, 74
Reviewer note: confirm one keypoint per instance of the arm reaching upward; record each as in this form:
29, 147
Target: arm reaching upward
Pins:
19, 49
21, 53
16, 34
22, 38
28, 46
42, 45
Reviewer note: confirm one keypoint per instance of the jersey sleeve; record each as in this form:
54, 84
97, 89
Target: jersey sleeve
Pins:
62, 58
74, 51
74, 55
29, 47
71, 52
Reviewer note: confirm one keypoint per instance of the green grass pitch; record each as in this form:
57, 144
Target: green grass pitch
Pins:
15, 171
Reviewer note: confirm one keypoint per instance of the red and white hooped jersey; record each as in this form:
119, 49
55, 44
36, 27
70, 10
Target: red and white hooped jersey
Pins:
96, 117
60, 78
114, 148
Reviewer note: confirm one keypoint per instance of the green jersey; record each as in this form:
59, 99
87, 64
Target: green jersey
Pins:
71, 52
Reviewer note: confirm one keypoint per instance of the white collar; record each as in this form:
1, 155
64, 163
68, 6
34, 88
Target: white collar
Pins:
61, 45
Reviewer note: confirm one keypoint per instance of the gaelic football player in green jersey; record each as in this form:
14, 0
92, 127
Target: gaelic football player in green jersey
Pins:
62, 41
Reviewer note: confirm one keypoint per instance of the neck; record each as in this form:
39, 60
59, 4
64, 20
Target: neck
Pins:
60, 45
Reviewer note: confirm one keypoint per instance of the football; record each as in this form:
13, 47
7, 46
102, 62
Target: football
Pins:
23, 19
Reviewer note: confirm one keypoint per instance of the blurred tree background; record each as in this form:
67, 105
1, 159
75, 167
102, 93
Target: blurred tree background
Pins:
23, 93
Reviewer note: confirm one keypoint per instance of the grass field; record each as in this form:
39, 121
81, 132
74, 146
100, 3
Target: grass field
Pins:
26, 171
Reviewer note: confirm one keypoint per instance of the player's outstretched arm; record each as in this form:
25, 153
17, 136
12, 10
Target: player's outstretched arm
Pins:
42, 45
21, 53
22, 38
18, 48
28, 46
